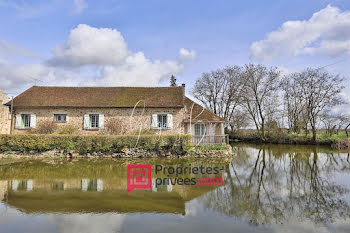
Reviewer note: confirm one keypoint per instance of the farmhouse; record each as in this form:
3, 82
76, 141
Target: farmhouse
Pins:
5, 117
93, 110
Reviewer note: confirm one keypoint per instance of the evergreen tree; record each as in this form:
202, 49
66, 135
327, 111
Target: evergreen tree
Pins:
173, 81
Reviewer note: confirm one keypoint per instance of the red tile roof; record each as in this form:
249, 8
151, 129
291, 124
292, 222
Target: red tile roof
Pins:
46, 96
199, 113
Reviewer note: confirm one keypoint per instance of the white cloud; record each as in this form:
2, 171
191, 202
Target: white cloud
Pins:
187, 54
80, 5
137, 70
91, 46
92, 56
14, 78
87, 223
326, 32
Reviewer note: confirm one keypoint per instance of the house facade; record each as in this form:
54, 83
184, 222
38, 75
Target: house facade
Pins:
98, 110
5, 117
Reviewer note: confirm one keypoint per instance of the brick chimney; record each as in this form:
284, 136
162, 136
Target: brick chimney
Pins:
183, 90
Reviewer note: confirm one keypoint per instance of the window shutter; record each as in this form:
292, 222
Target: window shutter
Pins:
32, 120
170, 121
86, 121
99, 185
18, 124
101, 120
154, 121
84, 182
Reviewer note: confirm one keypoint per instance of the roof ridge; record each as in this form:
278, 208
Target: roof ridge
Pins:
9, 102
99, 96
104, 87
205, 109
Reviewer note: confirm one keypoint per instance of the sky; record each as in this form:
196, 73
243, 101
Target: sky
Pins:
142, 43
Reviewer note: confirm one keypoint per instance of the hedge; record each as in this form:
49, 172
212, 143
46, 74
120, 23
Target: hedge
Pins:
106, 144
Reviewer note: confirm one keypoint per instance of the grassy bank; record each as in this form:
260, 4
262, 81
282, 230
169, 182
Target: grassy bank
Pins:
83, 145
339, 140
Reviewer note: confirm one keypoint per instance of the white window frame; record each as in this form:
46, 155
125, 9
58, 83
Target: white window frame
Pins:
96, 121
160, 121
88, 121
23, 121
19, 120
203, 129
157, 124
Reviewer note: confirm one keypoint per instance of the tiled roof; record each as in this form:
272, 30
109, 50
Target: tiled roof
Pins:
46, 96
199, 113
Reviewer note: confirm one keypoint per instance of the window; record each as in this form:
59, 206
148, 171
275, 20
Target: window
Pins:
18, 185
200, 129
94, 121
162, 121
91, 185
57, 186
25, 121
62, 118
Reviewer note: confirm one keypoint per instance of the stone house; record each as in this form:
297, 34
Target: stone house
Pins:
5, 117
95, 110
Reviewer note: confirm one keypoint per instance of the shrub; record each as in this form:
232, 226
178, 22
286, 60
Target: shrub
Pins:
144, 132
68, 129
83, 144
44, 127
341, 144
114, 127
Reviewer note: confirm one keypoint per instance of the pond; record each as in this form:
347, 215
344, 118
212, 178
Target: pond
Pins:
266, 188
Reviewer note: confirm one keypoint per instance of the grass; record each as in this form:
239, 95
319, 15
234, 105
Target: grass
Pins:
281, 136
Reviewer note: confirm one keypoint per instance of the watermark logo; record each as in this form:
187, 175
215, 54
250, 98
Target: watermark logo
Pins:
139, 176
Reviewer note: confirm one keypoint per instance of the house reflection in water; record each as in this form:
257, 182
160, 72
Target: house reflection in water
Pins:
91, 185
3, 189
101, 189
157, 187
95, 196
27, 185
22, 185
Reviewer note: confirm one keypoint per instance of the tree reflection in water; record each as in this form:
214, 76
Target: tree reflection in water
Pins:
270, 184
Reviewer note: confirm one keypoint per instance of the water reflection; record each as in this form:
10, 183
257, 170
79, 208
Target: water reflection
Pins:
267, 189
274, 183
95, 186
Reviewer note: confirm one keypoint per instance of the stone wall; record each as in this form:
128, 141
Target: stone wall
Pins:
5, 122
122, 115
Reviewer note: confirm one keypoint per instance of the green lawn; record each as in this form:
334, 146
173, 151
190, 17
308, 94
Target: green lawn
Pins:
322, 135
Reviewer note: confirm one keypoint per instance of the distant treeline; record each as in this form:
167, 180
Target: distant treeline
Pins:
261, 96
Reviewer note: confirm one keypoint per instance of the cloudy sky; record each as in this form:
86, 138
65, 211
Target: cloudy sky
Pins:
142, 43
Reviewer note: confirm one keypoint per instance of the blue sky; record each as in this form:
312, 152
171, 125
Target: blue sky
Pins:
143, 41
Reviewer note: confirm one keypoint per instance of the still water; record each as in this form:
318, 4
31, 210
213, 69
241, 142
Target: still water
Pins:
267, 188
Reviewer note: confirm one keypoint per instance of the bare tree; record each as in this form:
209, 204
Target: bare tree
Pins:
260, 95
294, 104
346, 130
330, 122
239, 120
318, 90
220, 90
255, 89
